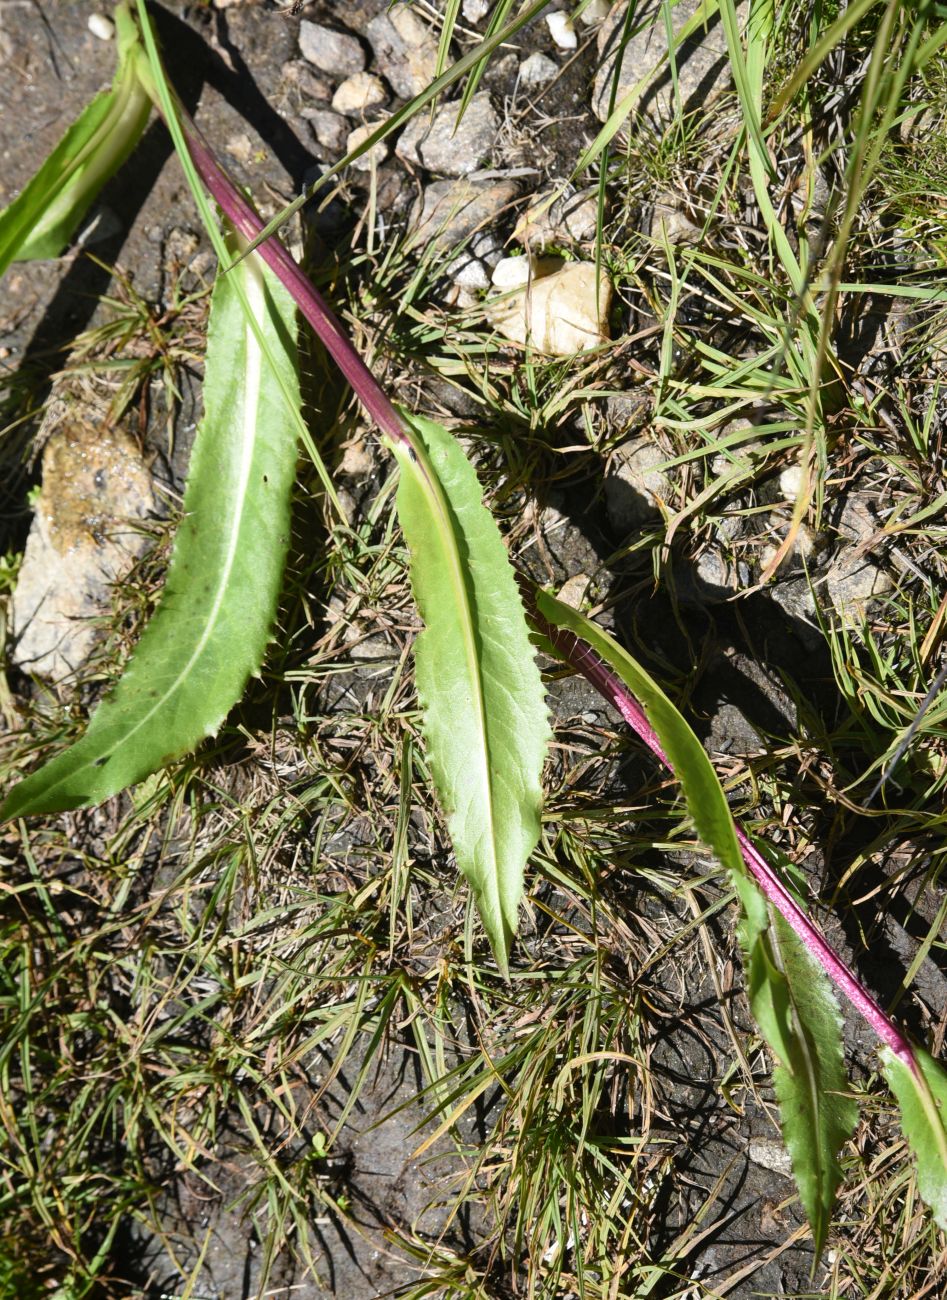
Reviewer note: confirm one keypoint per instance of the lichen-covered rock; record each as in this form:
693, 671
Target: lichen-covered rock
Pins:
571, 219
83, 539
449, 146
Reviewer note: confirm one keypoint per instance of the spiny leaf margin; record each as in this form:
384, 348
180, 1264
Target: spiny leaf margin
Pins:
921, 1095
485, 720
789, 993
210, 631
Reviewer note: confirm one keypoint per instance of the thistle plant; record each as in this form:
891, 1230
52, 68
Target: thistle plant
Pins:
481, 695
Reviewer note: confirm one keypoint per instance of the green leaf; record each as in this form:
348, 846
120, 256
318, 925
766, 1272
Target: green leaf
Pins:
922, 1098
216, 613
42, 219
484, 712
790, 995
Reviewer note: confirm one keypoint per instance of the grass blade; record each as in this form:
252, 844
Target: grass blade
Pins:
922, 1097
43, 217
789, 992
216, 614
485, 719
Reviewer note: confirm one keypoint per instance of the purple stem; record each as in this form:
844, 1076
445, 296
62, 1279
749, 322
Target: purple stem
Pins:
570, 648
245, 219
580, 656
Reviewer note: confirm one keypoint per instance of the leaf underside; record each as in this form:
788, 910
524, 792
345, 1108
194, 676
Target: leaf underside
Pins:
484, 714
922, 1099
216, 614
790, 995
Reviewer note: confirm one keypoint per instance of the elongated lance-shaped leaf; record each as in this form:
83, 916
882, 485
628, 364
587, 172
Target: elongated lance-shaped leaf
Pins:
921, 1094
493, 805
216, 614
484, 712
44, 216
790, 995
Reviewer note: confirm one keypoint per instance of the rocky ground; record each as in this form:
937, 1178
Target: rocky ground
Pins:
456, 208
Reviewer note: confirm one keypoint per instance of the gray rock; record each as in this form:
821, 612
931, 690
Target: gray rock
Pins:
732, 733
537, 70
627, 413
81, 541
853, 582
451, 211
444, 145
361, 91
329, 128
635, 489
405, 51
331, 51
299, 73
703, 69
716, 577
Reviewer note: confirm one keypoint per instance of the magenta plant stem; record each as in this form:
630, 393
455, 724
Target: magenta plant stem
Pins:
245, 219
607, 682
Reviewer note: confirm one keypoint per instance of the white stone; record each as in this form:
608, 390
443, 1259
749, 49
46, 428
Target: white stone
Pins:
790, 481
771, 1155
537, 70
511, 273
562, 30
375, 155
101, 26
360, 91
475, 10
335, 52
560, 314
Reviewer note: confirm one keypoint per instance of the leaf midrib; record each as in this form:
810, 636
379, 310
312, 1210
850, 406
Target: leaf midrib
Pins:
253, 377
448, 532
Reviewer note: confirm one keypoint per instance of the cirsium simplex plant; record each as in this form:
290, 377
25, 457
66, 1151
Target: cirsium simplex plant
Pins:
481, 696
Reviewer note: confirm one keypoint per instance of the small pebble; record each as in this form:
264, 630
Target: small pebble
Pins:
102, 27
474, 10
359, 92
334, 52
537, 70
596, 12
790, 481
562, 30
